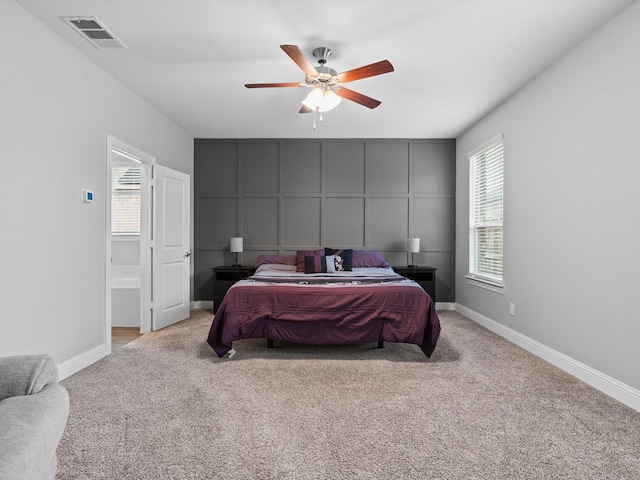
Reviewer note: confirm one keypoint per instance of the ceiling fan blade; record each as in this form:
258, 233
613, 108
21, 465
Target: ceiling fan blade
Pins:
357, 97
297, 56
272, 85
305, 109
372, 70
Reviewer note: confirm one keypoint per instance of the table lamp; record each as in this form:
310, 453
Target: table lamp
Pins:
236, 246
414, 247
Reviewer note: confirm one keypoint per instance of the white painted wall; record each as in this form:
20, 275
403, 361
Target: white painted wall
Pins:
572, 204
56, 111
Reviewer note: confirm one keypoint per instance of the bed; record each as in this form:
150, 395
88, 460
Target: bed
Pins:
325, 297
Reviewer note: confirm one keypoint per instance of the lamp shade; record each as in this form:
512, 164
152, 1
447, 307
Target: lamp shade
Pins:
236, 244
322, 100
414, 245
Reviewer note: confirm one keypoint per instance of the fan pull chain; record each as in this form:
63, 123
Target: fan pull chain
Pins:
317, 109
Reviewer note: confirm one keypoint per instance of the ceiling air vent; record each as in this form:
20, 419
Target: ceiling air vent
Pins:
94, 32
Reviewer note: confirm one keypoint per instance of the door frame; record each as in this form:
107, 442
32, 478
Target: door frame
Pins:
146, 190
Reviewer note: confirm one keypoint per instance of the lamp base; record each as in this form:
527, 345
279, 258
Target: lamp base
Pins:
237, 264
412, 266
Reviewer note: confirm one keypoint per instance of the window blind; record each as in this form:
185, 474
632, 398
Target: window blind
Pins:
125, 200
486, 211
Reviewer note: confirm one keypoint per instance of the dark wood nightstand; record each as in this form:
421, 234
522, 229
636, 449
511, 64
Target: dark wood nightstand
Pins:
223, 278
425, 276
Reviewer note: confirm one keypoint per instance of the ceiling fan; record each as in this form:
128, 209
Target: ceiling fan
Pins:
328, 85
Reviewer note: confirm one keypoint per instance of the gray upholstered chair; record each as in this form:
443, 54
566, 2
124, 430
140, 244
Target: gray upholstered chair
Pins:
34, 409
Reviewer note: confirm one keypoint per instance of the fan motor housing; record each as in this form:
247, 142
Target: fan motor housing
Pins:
325, 75
322, 54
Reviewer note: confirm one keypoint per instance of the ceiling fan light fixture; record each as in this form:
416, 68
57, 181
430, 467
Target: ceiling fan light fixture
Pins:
321, 100
326, 81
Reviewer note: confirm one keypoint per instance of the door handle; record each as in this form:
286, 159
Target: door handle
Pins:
186, 255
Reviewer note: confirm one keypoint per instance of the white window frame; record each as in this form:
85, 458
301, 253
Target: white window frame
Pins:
485, 213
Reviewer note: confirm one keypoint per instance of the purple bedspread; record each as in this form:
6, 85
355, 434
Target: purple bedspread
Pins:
326, 311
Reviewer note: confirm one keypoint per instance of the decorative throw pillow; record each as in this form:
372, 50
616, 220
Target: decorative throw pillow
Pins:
315, 264
331, 264
343, 258
300, 254
366, 258
277, 259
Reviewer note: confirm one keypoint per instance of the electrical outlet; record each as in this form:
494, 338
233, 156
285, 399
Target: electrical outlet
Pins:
512, 308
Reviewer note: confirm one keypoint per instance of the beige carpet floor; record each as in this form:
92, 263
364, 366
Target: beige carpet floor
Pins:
165, 407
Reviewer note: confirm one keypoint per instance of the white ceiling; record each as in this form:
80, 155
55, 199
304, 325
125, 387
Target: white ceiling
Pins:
454, 60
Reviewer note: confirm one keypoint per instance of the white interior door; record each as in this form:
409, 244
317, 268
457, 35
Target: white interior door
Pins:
171, 256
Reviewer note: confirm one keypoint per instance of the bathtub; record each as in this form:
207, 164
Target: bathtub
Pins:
125, 295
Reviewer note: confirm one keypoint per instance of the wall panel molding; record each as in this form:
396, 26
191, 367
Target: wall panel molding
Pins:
282, 195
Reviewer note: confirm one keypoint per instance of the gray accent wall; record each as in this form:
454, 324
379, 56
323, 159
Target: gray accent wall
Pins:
288, 195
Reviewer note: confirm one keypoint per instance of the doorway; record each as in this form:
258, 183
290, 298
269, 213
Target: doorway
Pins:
128, 279
165, 264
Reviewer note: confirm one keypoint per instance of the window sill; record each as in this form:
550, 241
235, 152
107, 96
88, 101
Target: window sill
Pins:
485, 283
125, 237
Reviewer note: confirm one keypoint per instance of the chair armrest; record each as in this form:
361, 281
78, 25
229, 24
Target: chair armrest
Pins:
26, 374
31, 427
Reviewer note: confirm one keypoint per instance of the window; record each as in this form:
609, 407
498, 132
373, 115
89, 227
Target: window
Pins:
486, 167
125, 200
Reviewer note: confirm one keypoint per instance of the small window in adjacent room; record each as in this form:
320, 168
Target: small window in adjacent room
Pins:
125, 200
486, 164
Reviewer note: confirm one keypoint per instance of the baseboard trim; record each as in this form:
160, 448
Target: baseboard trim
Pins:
77, 363
445, 306
202, 305
606, 384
